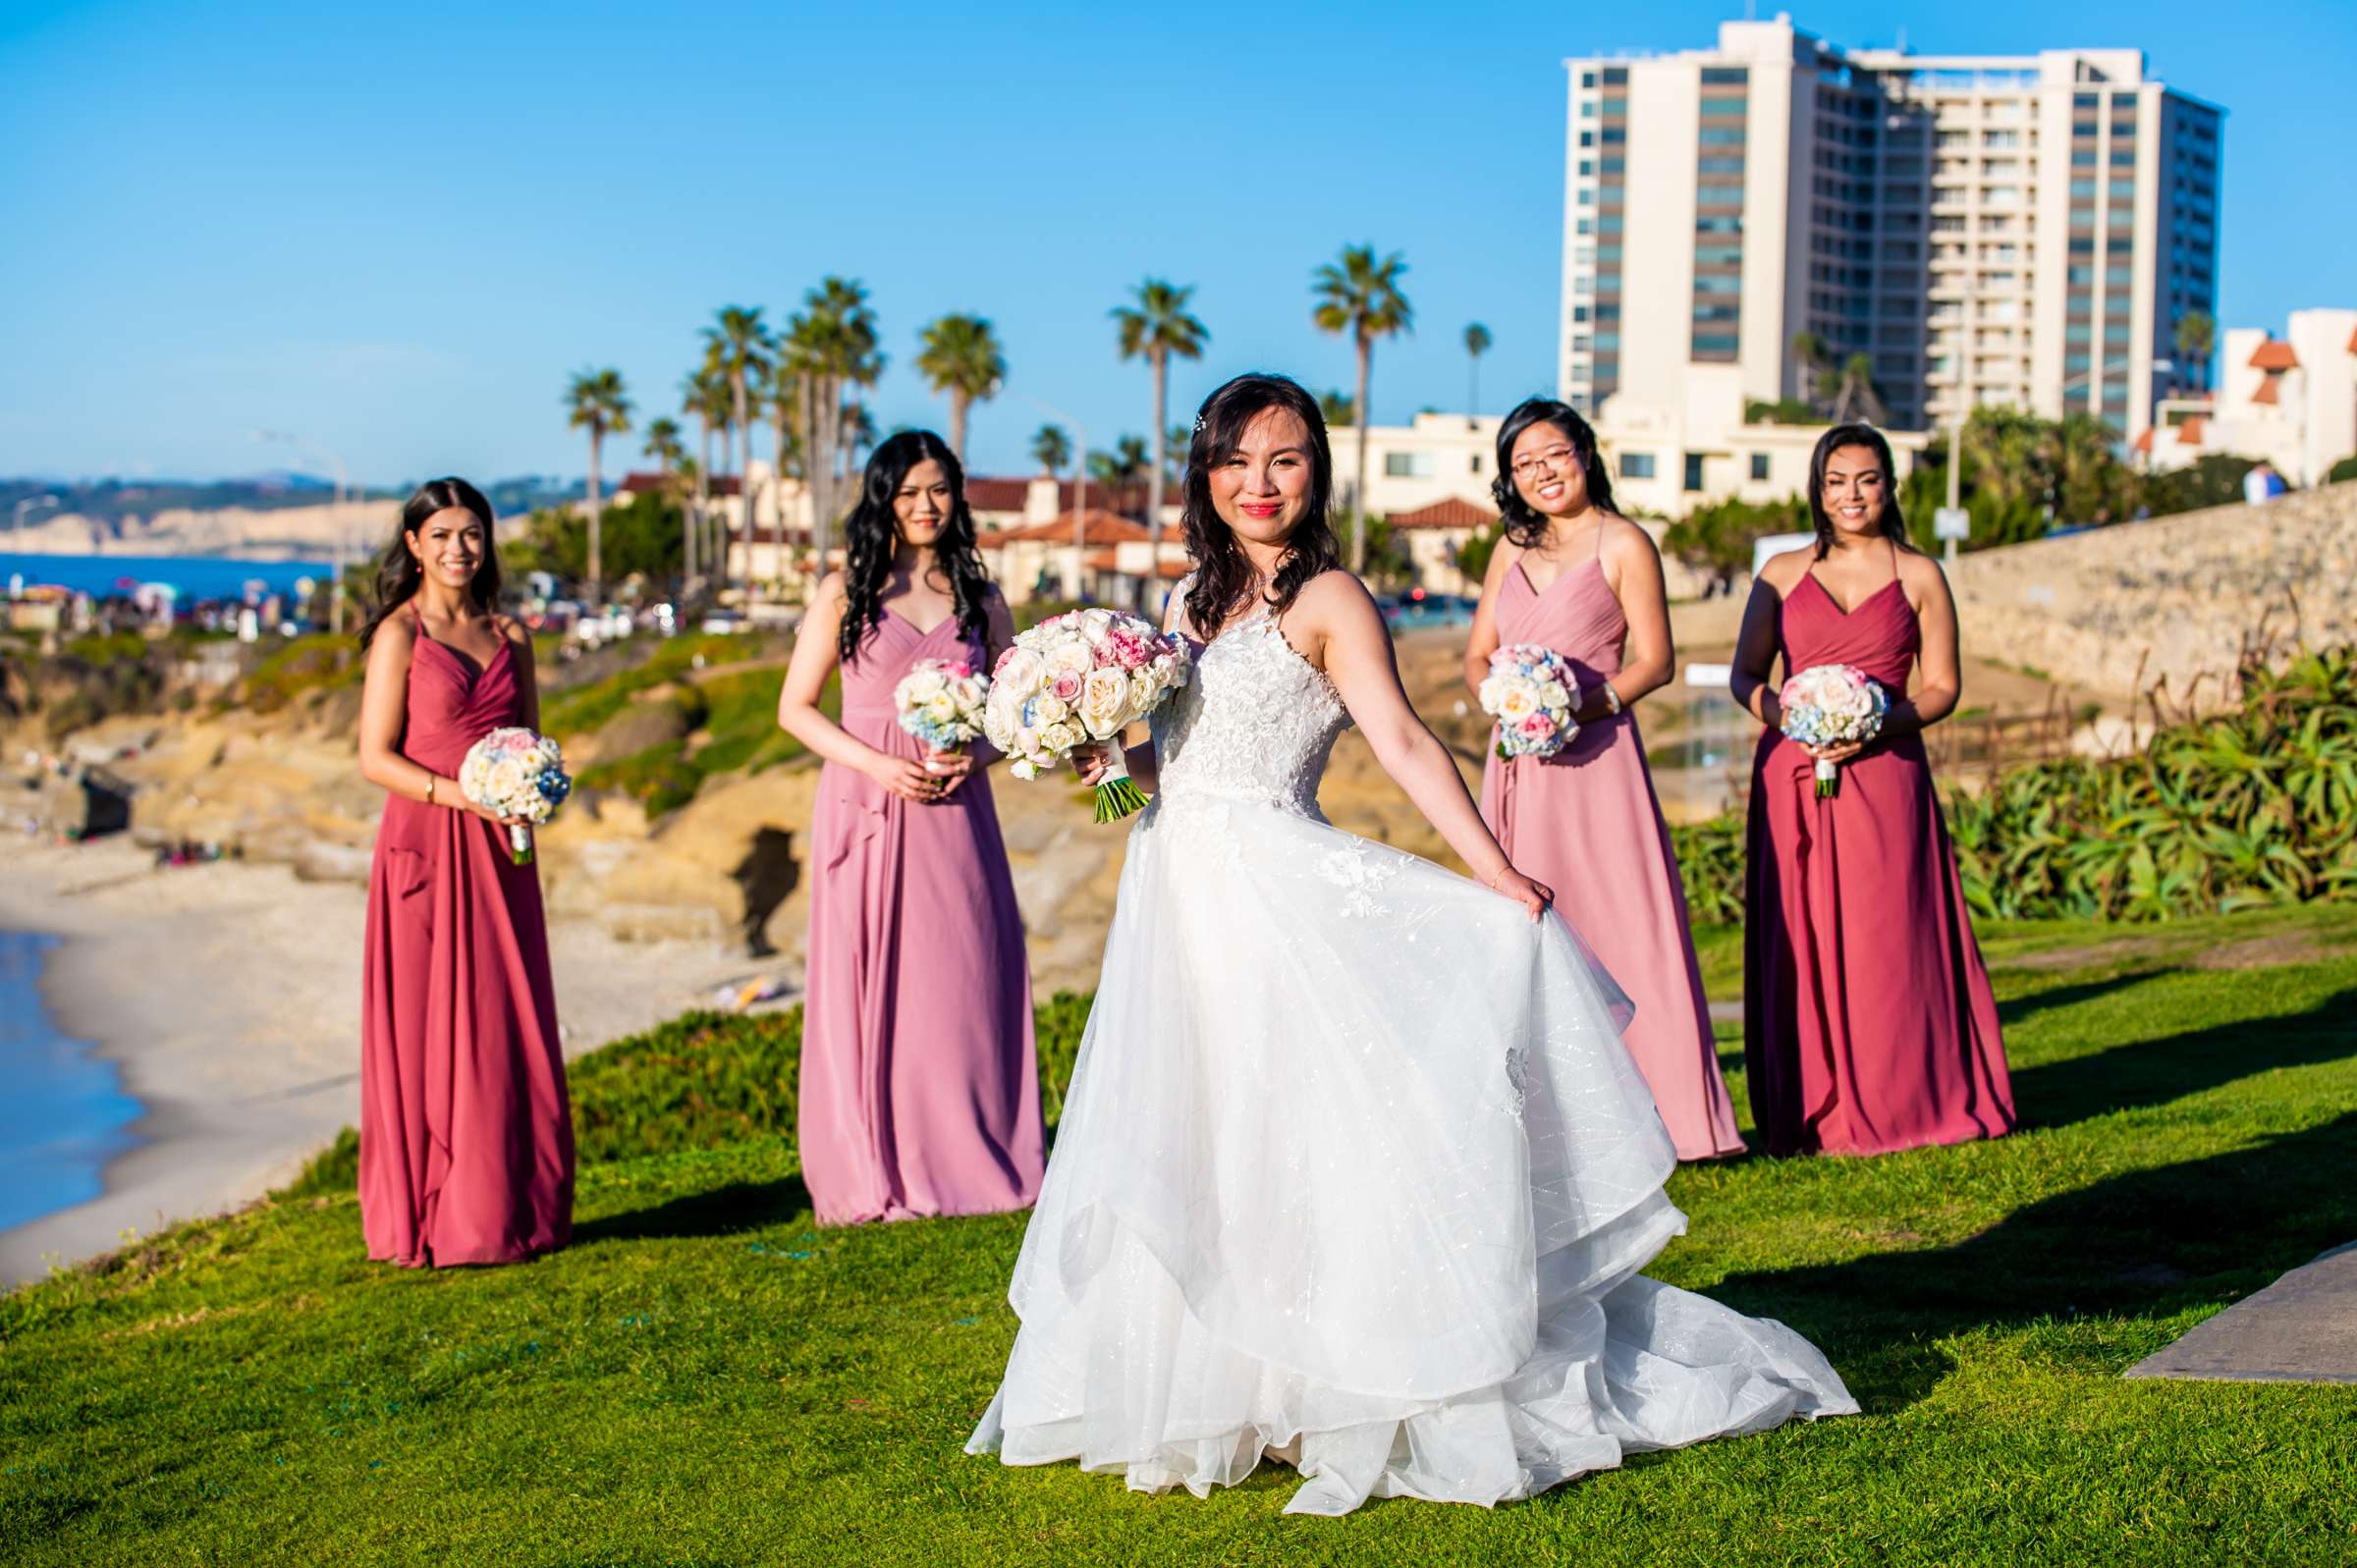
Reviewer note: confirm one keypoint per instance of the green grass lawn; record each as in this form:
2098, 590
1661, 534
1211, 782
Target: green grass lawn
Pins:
705, 1377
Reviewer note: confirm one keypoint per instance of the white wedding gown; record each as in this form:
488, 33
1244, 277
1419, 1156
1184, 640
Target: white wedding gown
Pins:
1354, 1167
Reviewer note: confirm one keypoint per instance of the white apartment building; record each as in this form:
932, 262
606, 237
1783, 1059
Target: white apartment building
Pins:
1663, 461
2291, 400
2002, 229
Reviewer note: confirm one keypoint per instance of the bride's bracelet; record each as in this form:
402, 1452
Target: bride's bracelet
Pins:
1494, 877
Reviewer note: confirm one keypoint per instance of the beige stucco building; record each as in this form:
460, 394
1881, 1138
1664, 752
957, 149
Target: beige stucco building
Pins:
2024, 230
2291, 400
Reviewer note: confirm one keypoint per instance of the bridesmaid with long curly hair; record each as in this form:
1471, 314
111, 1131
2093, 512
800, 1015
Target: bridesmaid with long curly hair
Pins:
919, 1093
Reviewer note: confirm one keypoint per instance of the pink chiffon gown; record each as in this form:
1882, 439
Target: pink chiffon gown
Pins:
466, 1132
919, 1092
1587, 824
1868, 1021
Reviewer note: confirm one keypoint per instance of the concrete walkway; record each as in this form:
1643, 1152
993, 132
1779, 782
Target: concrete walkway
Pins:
2302, 1328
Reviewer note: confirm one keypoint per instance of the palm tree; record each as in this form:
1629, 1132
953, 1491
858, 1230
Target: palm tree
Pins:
1050, 448
596, 403
1855, 396
703, 392
1157, 327
1121, 468
962, 356
855, 360
1361, 297
739, 344
1176, 442
781, 398
2196, 336
1477, 343
664, 445
1334, 407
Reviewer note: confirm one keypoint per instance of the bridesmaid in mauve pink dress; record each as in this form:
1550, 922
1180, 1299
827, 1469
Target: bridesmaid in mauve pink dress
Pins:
466, 1132
1586, 822
919, 1092
1869, 1025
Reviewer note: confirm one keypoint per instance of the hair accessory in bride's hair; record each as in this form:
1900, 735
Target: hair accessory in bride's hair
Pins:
1198, 424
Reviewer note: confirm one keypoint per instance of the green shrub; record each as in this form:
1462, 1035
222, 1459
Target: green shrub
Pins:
2254, 807
319, 662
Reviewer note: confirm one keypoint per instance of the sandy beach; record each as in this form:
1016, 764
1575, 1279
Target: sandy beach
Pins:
229, 994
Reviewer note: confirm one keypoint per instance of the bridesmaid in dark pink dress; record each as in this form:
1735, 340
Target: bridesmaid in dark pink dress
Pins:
1868, 1020
465, 1132
920, 1091
1585, 821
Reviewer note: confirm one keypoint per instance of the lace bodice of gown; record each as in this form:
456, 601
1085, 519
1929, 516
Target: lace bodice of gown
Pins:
1256, 723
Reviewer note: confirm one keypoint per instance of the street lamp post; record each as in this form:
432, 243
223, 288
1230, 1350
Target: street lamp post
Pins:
1952, 519
16, 522
335, 526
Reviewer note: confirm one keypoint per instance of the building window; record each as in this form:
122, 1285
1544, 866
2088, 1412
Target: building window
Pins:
1408, 464
1693, 470
1636, 466
1759, 465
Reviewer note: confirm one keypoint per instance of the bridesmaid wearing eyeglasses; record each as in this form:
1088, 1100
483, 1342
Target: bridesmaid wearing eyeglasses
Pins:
1575, 575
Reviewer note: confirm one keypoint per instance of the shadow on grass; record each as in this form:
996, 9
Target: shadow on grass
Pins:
2014, 1009
722, 1211
2156, 1073
2152, 1243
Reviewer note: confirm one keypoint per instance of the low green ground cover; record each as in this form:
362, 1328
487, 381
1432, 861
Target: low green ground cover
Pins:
706, 1378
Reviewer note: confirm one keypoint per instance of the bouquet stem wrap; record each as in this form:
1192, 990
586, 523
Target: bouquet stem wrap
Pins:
520, 846
1828, 779
1117, 794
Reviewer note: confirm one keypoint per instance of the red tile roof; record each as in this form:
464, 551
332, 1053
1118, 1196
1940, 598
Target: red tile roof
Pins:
989, 494
1453, 513
2269, 390
2275, 355
639, 484
2189, 431
2144, 441
1110, 561
1102, 528
2353, 340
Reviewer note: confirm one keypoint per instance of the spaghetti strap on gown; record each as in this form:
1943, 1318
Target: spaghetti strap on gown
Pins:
466, 1132
919, 1092
1587, 823
1354, 1169
1868, 1021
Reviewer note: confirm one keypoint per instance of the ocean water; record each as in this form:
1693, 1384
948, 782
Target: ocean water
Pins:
197, 577
63, 1112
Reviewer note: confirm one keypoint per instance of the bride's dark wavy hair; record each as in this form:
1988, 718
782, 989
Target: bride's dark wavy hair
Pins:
400, 574
1223, 573
872, 537
1526, 527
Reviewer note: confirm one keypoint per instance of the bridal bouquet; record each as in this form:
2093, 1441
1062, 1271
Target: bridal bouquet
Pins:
1530, 691
517, 774
940, 702
1831, 705
1075, 678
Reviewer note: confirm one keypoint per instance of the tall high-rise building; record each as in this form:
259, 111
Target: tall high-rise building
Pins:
2024, 230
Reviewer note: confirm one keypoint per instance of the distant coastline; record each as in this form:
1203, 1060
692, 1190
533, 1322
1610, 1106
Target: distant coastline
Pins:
198, 576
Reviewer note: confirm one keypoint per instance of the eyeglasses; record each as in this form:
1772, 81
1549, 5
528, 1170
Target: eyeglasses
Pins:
1552, 458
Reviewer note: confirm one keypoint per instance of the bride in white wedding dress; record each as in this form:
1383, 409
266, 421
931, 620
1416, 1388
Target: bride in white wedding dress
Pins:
1355, 1170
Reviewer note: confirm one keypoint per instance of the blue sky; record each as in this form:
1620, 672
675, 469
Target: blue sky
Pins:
397, 230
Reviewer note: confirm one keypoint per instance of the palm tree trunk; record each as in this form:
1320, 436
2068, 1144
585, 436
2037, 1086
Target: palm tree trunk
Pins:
824, 456
744, 479
957, 425
1358, 497
813, 487
596, 587
1160, 363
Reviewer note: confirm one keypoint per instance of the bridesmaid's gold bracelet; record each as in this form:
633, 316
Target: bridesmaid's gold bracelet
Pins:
1612, 700
430, 782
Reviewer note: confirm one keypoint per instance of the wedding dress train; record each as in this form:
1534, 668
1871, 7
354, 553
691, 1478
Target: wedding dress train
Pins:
1355, 1166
